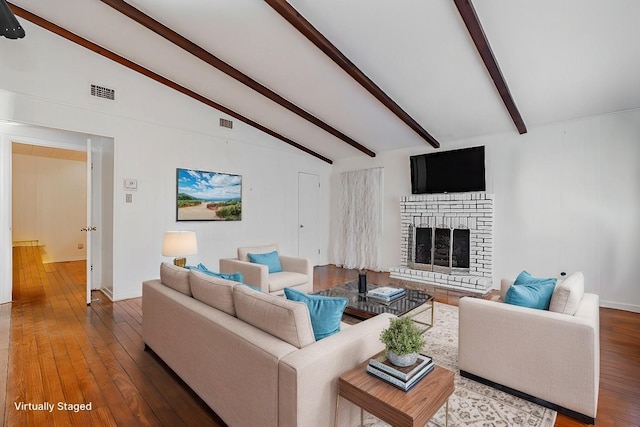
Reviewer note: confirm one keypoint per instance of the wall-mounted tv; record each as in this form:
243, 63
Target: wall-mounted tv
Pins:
456, 171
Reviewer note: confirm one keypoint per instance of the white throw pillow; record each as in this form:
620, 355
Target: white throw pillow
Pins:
568, 294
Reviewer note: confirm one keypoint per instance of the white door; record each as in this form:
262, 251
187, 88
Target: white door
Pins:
89, 228
309, 216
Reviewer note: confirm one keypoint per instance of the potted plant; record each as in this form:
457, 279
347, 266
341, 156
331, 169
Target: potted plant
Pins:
403, 341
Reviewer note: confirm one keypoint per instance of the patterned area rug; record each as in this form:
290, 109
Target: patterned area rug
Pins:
472, 403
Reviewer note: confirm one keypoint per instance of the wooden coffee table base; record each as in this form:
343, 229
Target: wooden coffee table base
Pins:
413, 408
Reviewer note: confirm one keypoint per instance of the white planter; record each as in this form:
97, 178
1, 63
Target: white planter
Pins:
402, 360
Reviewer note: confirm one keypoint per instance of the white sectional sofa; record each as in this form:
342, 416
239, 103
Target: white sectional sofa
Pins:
251, 356
548, 357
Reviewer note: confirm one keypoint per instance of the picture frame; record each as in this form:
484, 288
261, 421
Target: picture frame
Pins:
208, 196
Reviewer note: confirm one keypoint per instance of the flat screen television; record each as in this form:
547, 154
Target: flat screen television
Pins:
456, 171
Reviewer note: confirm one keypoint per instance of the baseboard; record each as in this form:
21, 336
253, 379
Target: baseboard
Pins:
107, 292
560, 409
620, 306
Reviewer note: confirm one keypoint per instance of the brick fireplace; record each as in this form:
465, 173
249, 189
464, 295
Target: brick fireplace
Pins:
447, 241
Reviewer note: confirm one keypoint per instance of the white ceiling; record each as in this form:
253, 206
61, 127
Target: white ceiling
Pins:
561, 59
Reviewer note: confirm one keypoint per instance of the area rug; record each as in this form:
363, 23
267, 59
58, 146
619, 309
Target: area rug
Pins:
472, 403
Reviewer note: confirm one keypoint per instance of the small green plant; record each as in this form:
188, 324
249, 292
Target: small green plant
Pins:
402, 337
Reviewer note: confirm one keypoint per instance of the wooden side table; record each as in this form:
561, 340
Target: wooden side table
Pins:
399, 408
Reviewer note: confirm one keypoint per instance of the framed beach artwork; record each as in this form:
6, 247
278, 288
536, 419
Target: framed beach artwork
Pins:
208, 196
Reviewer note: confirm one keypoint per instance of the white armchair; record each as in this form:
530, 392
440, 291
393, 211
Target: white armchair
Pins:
296, 272
548, 357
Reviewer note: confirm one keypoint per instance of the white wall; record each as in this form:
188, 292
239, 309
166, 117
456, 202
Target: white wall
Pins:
49, 205
155, 131
567, 198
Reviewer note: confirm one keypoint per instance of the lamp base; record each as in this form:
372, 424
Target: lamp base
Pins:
180, 262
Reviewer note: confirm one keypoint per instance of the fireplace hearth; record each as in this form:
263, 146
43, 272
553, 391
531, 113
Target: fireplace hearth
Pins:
447, 240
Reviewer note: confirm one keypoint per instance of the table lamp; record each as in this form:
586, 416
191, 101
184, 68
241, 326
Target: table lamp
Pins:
179, 244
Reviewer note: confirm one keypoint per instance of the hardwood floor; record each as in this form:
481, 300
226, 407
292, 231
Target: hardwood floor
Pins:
63, 351
60, 350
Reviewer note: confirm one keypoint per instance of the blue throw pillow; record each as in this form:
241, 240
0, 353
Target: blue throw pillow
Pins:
326, 312
529, 291
270, 259
236, 277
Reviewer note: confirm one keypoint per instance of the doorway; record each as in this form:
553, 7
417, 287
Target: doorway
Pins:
61, 234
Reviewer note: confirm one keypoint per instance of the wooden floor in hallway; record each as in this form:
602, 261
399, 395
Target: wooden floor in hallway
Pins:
54, 348
64, 352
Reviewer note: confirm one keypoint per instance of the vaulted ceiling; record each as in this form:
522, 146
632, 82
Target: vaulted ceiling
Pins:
560, 59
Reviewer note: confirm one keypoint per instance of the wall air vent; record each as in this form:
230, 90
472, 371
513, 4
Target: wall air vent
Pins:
103, 92
226, 123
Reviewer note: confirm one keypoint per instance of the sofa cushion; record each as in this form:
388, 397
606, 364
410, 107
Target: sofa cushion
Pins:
213, 291
325, 312
243, 253
529, 291
270, 259
175, 277
568, 294
236, 277
284, 319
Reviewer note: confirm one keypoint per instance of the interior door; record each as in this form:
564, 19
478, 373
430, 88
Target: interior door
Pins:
309, 216
89, 228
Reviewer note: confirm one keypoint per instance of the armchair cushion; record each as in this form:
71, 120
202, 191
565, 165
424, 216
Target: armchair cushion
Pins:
270, 259
284, 279
325, 312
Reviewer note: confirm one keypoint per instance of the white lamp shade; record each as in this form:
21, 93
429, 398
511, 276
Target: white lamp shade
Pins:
179, 243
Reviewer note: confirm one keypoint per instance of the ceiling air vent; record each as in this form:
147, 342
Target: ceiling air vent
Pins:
226, 123
103, 92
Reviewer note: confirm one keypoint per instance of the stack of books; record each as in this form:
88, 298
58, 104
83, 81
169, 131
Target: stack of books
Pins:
402, 378
386, 294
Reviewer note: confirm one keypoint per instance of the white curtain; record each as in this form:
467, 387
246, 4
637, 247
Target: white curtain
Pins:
358, 232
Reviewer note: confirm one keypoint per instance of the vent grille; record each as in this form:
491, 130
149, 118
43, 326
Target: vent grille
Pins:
103, 92
226, 123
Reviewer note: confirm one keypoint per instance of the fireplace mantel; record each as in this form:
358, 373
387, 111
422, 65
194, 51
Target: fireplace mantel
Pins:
472, 211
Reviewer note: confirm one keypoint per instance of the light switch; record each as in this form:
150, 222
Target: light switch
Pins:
128, 198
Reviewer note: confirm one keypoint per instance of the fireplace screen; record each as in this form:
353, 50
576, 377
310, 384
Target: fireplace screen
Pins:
423, 245
441, 249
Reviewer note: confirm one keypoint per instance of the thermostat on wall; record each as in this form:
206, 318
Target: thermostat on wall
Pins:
130, 184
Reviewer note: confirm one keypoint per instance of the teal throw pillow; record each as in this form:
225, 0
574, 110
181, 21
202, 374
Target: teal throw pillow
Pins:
270, 259
326, 312
236, 277
529, 291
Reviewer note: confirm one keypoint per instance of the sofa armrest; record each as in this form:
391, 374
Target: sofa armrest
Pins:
298, 265
308, 379
552, 356
253, 274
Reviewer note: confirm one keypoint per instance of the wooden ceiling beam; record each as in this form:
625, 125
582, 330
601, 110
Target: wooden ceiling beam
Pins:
184, 43
50, 26
471, 20
290, 14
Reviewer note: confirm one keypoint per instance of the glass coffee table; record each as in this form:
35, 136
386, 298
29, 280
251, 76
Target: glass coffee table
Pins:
413, 303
